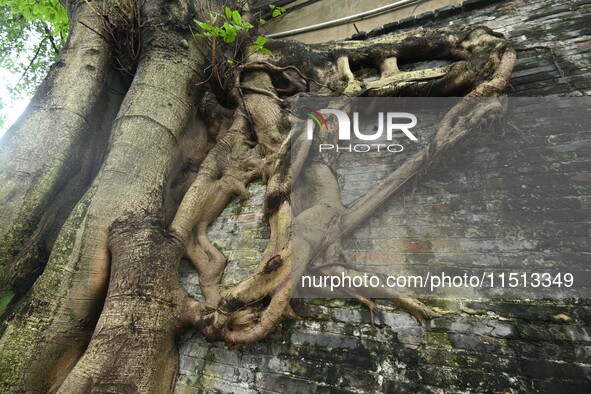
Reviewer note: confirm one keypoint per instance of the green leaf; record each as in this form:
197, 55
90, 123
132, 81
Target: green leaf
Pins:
262, 49
277, 11
28, 27
266, 51
229, 33
228, 12
207, 27
247, 25
262, 21
236, 17
260, 41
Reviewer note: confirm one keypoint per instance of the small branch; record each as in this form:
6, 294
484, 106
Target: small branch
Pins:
31, 62
100, 34
50, 36
268, 67
263, 92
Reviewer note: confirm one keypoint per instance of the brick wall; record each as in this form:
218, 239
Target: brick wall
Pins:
476, 346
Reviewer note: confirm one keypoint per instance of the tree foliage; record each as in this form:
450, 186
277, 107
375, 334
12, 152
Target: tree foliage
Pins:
32, 33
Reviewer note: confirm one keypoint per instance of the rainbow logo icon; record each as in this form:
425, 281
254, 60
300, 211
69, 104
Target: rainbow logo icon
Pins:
318, 118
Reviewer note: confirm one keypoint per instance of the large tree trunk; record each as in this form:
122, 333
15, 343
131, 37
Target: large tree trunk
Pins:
111, 178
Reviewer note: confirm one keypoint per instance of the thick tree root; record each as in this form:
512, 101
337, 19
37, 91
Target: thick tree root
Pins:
482, 67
